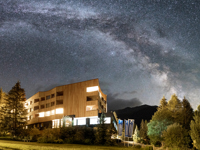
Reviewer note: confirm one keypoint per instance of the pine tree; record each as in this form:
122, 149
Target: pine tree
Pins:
15, 109
163, 103
136, 135
143, 131
195, 128
187, 114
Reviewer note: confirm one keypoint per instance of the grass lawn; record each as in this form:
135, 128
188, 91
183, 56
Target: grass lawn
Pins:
43, 146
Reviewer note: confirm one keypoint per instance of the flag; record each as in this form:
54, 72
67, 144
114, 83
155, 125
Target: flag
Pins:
126, 127
120, 127
130, 127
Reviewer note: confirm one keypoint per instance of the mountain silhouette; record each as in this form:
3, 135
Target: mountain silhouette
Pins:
137, 113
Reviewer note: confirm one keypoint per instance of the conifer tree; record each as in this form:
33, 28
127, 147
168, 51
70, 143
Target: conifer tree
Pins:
163, 103
175, 107
187, 114
136, 135
195, 128
143, 132
15, 109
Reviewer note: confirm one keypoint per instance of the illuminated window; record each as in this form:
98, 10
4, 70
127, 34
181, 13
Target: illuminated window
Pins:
107, 120
92, 89
31, 109
28, 118
41, 114
81, 121
47, 113
52, 112
59, 111
93, 120
28, 110
56, 123
91, 107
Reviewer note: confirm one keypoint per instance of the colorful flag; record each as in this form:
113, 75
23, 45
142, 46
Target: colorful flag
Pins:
120, 127
130, 127
126, 127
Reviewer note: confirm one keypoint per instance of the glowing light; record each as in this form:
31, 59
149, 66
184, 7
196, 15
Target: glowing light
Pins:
47, 113
92, 89
107, 120
59, 111
94, 121
41, 114
81, 121
52, 112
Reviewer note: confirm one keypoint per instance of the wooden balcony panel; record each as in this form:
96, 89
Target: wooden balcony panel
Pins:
93, 102
92, 93
91, 113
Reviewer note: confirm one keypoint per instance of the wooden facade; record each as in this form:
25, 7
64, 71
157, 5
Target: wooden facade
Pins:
73, 99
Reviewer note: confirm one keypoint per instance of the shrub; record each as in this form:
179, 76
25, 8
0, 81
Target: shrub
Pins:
59, 141
34, 134
148, 148
137, 146
88, 141
176, 136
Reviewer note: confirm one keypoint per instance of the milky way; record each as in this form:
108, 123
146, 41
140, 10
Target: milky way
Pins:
140, 50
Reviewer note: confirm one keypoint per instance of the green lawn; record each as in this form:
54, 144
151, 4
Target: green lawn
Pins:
43, 146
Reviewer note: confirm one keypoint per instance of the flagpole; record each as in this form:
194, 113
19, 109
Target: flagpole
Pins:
124, 132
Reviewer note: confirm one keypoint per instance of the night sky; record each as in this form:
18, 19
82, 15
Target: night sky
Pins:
141, 50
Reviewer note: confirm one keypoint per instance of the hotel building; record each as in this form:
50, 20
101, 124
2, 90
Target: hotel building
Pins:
73, 104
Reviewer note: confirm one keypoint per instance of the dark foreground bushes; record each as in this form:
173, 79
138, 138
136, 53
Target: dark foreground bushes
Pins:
73, 135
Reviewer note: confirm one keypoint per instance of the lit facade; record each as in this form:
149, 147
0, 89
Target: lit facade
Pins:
77, 104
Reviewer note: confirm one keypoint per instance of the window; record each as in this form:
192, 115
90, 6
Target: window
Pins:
59, 93
59, 102
41, 114
42, 98
31, 109
48, 105
36, 100
47, 113
52, 112
92, 89
36, 115
52, 103
31, 117
42, 107
28, 118
48, 97
30, 102
52, 95
36, 108
59, 111
91, 107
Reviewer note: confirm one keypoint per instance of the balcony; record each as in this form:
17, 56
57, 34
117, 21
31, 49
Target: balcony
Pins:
91, 113
93, 102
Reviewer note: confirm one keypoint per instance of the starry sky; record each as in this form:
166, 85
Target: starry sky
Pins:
141, 50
